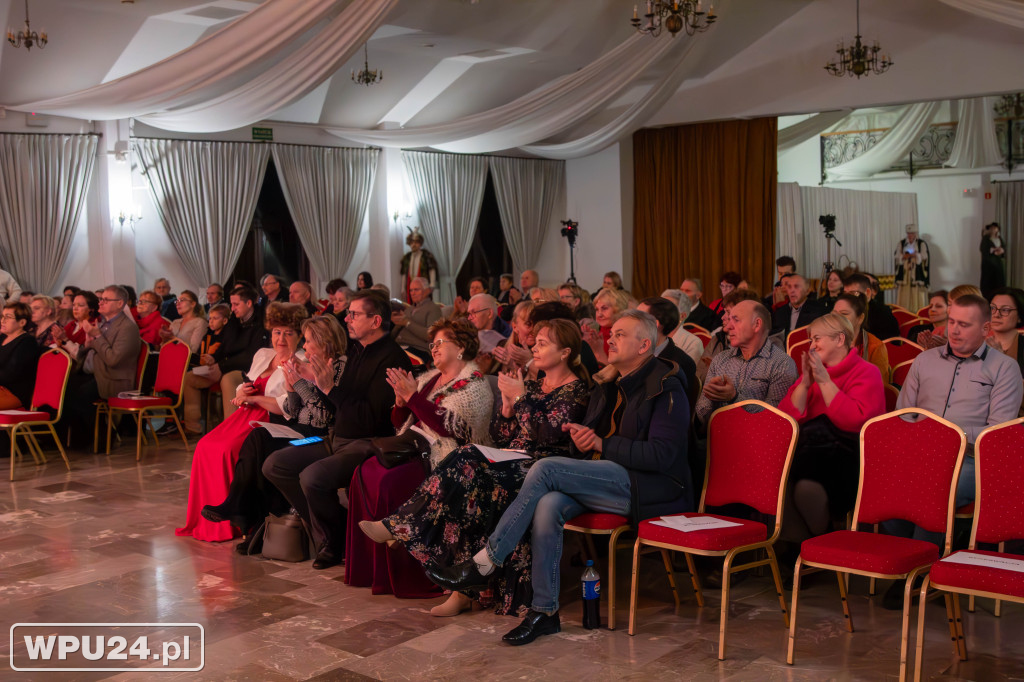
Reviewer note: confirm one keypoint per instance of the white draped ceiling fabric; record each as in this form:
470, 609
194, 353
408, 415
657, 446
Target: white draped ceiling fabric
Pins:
869, 224
327, 190
1010, 12
895, 145
43, 183
449, 191
237, 76
975, 145
205, 194
528, 192
793, 135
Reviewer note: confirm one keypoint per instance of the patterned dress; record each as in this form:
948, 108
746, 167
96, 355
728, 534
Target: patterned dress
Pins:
448, 519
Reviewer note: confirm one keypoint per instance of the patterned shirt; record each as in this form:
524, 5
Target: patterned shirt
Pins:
972, 392
766, 376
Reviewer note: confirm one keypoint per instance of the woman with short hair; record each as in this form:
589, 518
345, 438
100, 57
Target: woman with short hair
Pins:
609, 304
19, 354
44, 317
854, 308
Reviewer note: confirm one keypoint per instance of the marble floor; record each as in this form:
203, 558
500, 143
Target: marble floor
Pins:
97, 544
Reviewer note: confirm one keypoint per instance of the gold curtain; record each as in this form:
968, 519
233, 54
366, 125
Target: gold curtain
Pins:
705, 203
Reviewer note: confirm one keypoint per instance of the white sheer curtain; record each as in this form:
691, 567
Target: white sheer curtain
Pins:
789, 227
43, 183
449, 191
547, 111
1010, 216
895, 145
869, 224
793, 135
205, 194
528, 193
257, 64
328, 191
975, 145
1009, 12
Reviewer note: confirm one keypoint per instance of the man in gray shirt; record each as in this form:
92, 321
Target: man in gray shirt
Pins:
753, 368
411, 325
966, 381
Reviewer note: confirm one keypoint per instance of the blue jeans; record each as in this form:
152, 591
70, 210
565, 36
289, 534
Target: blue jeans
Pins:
556, 490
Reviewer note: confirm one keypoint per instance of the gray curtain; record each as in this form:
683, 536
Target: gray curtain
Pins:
1010, 215
328, 191
205, 194
43, 183
449, 191
528, 192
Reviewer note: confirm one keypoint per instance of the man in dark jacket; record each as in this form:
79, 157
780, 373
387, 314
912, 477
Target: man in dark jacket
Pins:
801, 309
632, 461
309, 476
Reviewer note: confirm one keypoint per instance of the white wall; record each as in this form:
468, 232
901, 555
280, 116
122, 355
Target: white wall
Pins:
951, 208
599, 196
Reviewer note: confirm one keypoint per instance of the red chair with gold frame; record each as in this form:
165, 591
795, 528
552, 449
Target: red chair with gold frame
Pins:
998, 517
892, 394
612, 525
51, 384
900, 372
901, 350
797, 335
908, 470
694, 328
798, 350
102, 408
749, 454
903, 316
170, 377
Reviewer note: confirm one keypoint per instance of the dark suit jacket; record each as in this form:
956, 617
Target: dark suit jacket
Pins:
705, 317
881, 322
810, 311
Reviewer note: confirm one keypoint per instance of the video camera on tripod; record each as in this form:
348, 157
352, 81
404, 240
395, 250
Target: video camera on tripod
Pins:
571, 230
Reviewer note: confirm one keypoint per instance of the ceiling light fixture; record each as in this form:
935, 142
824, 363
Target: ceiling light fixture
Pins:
367, 77
673, 17
858, 59
28, 37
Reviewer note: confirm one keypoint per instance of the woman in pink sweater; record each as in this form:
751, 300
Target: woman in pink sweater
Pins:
837, 392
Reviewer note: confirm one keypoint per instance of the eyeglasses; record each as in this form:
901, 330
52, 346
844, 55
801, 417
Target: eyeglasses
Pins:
9, 318
1002, 312
354, 313
110, 300
471, 313
437, 344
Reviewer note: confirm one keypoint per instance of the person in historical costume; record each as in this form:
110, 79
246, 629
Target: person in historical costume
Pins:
912, 271
993, 260
417, 263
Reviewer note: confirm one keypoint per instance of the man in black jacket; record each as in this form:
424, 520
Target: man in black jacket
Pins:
630, 459
801, 309
309, 476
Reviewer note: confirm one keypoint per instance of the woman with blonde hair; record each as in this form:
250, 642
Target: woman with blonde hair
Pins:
191, 324
837, 392
609, 304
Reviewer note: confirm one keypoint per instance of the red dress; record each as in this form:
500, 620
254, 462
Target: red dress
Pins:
213, 465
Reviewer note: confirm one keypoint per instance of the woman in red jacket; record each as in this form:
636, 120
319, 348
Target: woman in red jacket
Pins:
837, 392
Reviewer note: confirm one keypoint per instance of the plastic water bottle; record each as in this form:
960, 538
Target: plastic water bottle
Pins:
591, 597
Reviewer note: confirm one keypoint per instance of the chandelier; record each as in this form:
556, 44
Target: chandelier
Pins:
367, 77
28, 37
1010, 106
673, 17
858, 59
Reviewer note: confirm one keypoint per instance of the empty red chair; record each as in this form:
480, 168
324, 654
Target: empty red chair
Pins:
749, 454
51, 384
170, 377
908, 470
998, 517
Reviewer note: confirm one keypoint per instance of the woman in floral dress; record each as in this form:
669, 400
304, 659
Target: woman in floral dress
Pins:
452, 513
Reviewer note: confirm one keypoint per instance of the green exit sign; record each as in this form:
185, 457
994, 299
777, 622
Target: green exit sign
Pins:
265, 134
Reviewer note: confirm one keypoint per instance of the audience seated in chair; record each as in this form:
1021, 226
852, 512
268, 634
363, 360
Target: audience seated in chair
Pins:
609, 304
309, 476
753, 369
19, 354
149, 319
264, 393
881, 322
412, 323
870, 347
799, 311
700, 314
837, 392
301, 293
720, 336
638, 468
48, 332
470, 492
191, 324
933, 334
250, 498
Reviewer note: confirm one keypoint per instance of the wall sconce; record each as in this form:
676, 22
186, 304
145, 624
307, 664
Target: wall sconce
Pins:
132, 218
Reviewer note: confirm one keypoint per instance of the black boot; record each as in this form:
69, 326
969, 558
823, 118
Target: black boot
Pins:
533, 626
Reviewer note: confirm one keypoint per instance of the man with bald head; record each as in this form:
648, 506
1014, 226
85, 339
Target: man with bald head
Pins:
752, 369
528, 280
799, 311
482, 311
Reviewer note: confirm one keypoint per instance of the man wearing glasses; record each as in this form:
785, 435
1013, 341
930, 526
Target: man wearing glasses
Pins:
309, 476
412, 323
110, 352
482, 311
970, 384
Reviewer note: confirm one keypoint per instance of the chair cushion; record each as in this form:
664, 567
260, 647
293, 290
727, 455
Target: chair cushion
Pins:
12, 419
949, 574
595, 521
713, 539
869, 552
137, 403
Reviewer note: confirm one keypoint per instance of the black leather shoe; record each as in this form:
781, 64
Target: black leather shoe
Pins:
214, 514
325, 559
460, 577
533, 626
